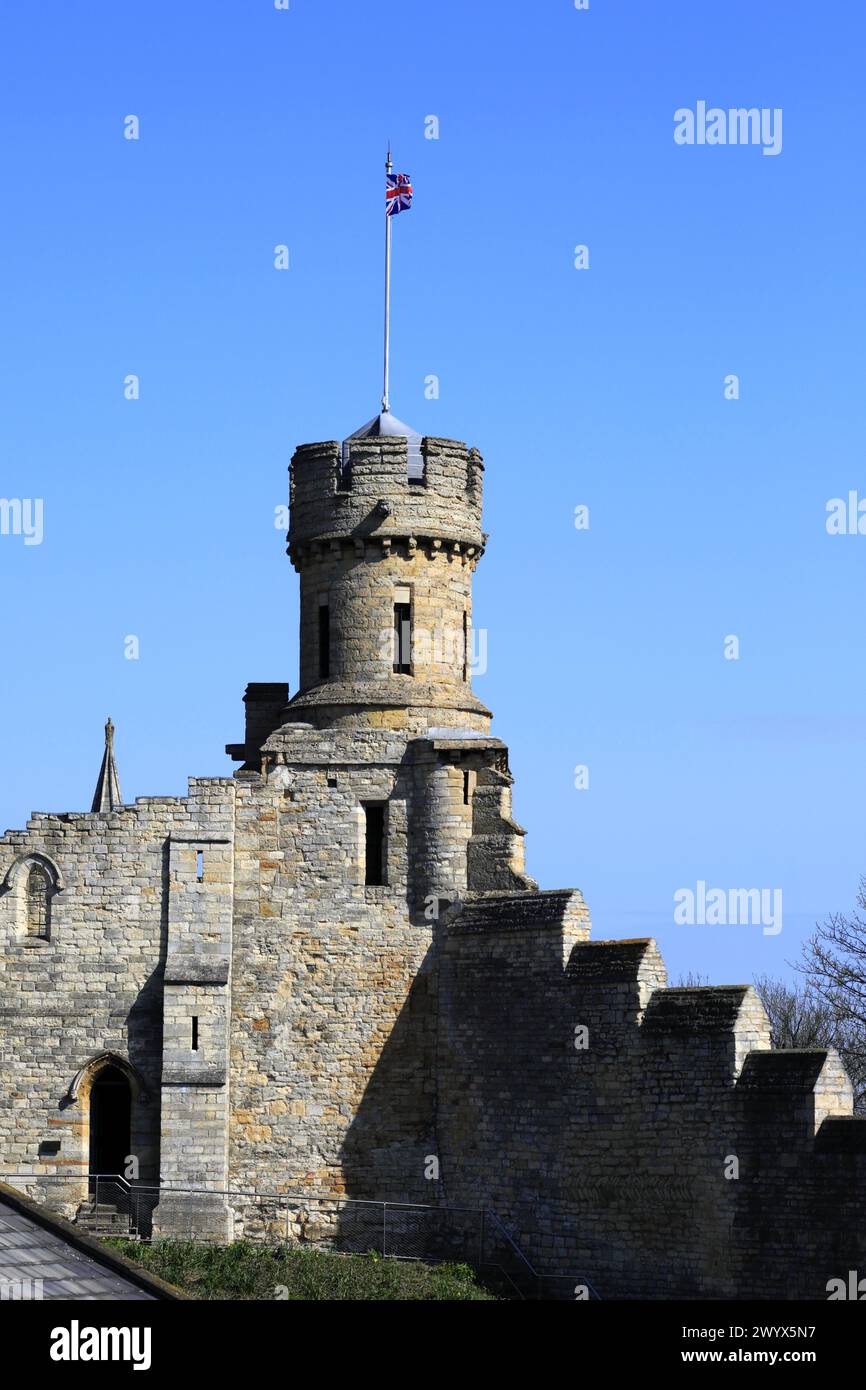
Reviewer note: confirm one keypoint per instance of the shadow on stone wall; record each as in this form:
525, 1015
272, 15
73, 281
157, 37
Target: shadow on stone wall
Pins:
392, 1134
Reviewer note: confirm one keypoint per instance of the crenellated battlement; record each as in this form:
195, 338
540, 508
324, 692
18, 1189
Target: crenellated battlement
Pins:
691, 1017
649, 1132
363, 491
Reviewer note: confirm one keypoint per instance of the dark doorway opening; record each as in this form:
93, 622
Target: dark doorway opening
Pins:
110, 1107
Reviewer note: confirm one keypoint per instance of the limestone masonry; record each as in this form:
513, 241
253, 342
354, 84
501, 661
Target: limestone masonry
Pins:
320, 973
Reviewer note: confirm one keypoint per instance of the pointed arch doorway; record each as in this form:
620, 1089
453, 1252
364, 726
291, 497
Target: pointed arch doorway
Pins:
110, 1117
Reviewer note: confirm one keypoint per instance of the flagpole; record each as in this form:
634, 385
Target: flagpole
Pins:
385, 404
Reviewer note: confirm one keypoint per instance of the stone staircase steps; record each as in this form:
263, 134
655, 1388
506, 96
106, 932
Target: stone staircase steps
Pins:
104, 1219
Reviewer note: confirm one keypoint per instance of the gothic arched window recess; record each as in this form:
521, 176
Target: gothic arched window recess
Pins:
38, 903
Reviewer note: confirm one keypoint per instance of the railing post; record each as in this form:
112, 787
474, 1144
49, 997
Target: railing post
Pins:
481, 1235
384, 1228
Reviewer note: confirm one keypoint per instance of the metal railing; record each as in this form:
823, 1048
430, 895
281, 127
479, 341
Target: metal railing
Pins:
111, 1203
344, 1225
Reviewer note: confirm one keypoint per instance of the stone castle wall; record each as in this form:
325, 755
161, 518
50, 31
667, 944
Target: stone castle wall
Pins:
325, 971
609, 1152
287, 1027
95, 987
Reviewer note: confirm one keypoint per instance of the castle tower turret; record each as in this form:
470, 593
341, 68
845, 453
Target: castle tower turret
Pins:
385, 535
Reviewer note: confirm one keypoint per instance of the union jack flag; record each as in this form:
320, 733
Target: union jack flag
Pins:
398, 194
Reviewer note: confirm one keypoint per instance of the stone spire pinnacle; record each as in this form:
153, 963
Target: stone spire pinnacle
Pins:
107, 795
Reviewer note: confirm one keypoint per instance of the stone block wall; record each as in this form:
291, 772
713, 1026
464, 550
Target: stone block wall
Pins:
446, 505
360, 584
196, 1019
92, 992
639, 1137
332, 1013
349, 1033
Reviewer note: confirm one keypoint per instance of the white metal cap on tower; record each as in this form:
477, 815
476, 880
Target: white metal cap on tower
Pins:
386, 425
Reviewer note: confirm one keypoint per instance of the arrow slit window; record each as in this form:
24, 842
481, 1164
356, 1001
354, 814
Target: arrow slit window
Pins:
403, 631
324, 638
374, 843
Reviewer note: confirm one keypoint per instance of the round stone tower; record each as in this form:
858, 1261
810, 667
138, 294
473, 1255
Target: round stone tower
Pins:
385, 534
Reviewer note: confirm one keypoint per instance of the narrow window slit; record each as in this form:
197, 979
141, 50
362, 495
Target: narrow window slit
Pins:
324, 641
403, 638
374, 843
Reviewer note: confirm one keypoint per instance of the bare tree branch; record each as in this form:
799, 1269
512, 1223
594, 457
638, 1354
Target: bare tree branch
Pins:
829, 1008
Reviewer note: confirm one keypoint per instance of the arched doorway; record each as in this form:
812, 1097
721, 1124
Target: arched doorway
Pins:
110, 1110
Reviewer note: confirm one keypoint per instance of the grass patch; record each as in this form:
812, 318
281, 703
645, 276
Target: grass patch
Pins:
246, 1271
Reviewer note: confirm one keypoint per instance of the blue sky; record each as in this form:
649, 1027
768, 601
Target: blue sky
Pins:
602, 387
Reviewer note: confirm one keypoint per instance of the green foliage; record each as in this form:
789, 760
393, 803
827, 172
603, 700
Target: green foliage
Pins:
246, 1271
